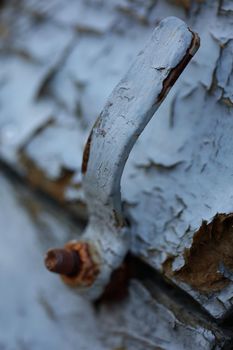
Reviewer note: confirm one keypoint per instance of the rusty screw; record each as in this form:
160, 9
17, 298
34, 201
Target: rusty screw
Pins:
63, 261
77, 263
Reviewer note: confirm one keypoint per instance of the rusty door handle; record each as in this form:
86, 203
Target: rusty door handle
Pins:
88, 264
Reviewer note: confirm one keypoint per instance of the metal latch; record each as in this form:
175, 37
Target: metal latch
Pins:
87, 264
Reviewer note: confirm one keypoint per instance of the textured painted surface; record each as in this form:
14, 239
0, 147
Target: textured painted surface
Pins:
179, 173
187, 171
38, 311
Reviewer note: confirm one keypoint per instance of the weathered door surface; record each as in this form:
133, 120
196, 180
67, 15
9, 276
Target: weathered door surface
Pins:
60, 60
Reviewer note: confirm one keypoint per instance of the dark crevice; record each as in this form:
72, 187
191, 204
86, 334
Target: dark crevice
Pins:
182, 305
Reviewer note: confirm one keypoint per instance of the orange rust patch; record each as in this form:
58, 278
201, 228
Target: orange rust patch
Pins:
89, 266
176, 71
86, 153
212, 245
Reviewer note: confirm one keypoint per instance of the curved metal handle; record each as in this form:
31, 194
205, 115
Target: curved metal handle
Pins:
129, 108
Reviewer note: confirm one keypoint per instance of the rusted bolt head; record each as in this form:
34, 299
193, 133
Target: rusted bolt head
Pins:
77, 263
63, 261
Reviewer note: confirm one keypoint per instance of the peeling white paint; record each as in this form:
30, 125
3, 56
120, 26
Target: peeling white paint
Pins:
184, 153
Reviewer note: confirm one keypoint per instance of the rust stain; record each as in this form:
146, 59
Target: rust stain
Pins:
185, 3
118, 220
53, 188
176, 71
37, 178
212, 245
227, 101
117, 289
89, 267
86, 153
